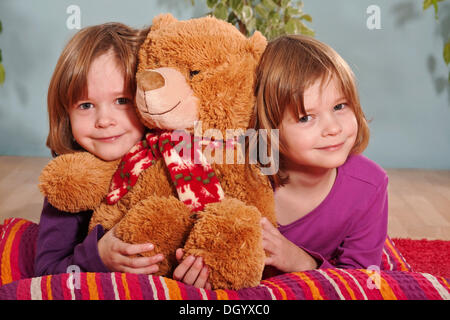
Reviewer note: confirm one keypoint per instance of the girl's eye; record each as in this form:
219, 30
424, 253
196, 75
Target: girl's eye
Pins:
86, 106
340, 106
305, 119
123, 101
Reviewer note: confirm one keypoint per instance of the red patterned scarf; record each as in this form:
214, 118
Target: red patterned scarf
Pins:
196, 183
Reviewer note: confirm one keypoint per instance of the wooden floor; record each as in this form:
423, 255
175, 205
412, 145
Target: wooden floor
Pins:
419, 200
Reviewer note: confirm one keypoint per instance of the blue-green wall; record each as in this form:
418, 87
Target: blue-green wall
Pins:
399, 68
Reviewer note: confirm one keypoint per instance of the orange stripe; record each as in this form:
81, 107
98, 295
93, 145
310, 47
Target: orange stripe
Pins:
349, 289
125, 286
49, 288
399, 259
385, 288
174, 289
222, 295
314, 290
92, 286
283, 293
6, 263
445, 281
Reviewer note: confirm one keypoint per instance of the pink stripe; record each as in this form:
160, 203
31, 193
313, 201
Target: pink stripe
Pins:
317, 283
352, 284
306, 290
183, 292
289, 294
44, 292
120, 288
24, 289
65, 290
159, 288
134, 286
98, 282
84, 288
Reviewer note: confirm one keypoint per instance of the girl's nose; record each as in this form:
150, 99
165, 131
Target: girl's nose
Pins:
332, 126
105, 118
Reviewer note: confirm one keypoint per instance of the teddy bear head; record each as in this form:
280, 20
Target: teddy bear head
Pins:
197, 70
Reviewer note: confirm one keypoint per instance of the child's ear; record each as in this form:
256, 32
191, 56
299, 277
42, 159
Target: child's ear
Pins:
163, 19
257, 44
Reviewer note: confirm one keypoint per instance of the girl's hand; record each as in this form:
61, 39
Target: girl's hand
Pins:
115, 255
284, 255
191, 271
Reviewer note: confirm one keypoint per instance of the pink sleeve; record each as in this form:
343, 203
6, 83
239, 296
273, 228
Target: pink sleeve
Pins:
364, 243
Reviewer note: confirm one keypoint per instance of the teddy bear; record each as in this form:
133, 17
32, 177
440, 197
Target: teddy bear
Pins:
187, 184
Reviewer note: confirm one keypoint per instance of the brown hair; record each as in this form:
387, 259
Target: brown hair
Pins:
290, 65
69, 80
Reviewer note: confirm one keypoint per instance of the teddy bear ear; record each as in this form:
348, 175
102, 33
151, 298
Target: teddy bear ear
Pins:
162, 19
257, 43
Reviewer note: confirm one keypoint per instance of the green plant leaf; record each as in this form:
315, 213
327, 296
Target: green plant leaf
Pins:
269, 4
291, 27
262, 11
1, 27
211, 3
427, 4
221, 11
292, 11
247, 14
306, 17
285, 3
2, 74
446, 53
236, 5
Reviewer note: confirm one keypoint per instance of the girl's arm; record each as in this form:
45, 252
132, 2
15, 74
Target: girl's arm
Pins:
62, 242
361, 248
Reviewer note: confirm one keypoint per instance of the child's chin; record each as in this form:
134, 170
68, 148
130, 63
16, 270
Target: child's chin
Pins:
333, 161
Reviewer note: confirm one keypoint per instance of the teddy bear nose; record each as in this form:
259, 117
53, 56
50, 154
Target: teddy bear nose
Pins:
150, 80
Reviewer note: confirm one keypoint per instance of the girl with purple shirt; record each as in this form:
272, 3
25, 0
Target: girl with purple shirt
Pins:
330, 201
90, 107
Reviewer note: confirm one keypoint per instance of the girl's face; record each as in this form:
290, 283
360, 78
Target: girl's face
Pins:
324, 136
105, 123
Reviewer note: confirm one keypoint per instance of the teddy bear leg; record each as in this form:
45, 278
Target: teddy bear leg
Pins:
162, 221
227, 235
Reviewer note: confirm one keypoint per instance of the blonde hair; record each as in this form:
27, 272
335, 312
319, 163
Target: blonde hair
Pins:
290, 65
69, 81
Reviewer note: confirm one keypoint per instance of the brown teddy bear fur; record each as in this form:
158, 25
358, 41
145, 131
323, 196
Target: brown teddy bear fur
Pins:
226, 234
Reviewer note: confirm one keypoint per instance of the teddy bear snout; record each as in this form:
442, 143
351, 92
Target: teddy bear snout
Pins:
150, 80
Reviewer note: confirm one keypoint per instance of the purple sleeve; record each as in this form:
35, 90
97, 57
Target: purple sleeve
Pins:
63, 241
364, 244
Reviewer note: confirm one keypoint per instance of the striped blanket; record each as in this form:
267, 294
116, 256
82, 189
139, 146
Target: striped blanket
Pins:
328, 284
394, 281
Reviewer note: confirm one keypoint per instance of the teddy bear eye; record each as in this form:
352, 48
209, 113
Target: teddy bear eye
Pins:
192, 73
